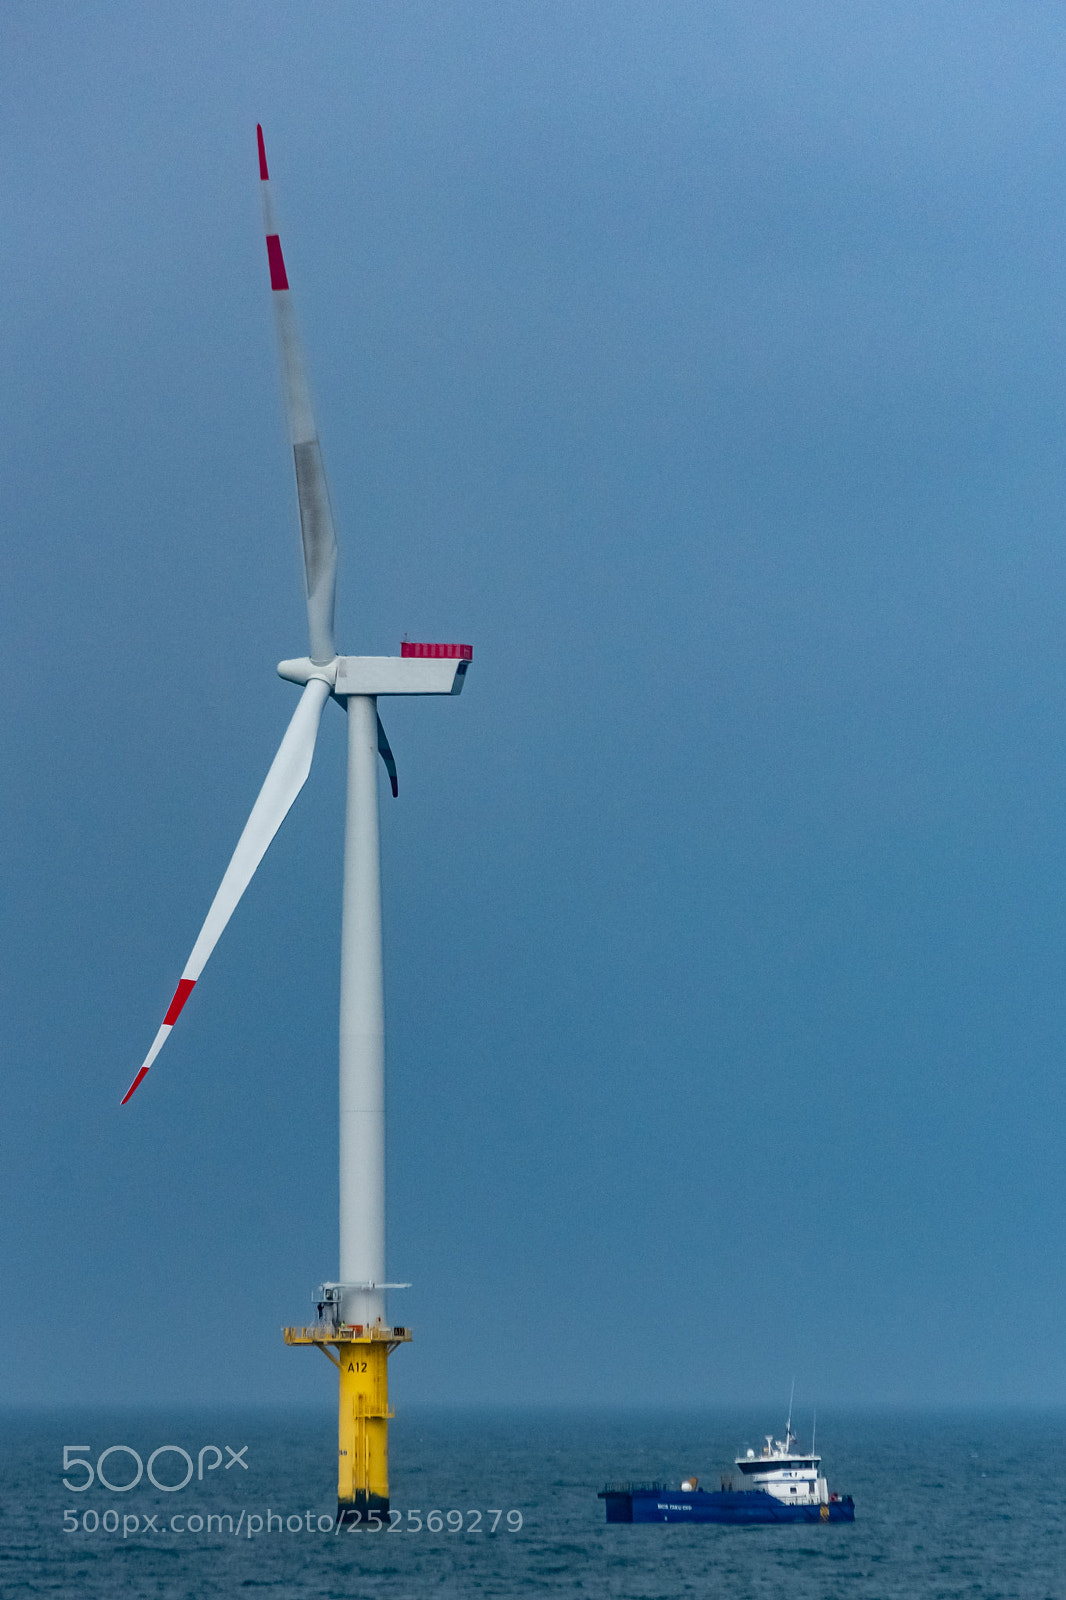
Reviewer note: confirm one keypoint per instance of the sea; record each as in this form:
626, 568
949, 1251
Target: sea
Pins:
503, 1503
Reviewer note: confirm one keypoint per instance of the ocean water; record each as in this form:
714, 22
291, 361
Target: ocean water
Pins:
946, 1505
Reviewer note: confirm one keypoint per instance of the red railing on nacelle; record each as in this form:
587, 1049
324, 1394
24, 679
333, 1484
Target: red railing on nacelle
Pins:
438, 652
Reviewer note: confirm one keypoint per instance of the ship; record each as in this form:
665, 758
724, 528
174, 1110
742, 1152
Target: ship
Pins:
779, 1483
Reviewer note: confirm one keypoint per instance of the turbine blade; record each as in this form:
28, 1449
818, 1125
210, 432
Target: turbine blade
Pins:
385, 752
287, 776
316, 515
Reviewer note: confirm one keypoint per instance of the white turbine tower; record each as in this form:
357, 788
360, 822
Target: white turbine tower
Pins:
352, 1315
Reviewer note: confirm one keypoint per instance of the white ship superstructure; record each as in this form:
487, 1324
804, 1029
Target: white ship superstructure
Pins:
788, 1474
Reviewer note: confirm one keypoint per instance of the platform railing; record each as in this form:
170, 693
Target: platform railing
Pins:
344, 1333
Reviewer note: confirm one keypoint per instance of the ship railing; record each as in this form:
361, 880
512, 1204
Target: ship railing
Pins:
636, 1488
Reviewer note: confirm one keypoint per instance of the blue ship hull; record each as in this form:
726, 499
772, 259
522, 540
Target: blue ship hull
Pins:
659, 1504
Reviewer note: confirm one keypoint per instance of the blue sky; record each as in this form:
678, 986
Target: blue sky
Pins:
703, 366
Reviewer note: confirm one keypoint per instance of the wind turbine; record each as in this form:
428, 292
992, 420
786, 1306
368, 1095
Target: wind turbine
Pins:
352, 1314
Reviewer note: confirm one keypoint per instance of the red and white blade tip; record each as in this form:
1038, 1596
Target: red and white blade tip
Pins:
134, 1085
279, 278
181, 994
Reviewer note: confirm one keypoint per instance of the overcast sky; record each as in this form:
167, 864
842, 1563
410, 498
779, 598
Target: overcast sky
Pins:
701, 364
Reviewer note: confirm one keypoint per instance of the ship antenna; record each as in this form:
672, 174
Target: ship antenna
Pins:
814, 1428
788, 1424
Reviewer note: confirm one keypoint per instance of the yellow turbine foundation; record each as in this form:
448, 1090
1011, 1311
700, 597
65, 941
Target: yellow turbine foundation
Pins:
363, 1427
363, 1411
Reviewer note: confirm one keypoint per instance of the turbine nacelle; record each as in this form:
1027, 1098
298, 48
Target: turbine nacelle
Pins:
409, 673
